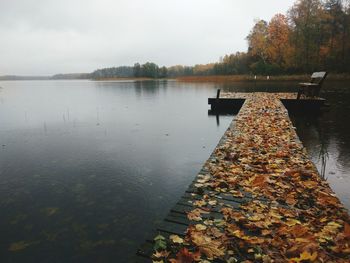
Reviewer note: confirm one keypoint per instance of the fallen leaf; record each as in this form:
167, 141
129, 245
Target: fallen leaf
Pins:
176, 239
185, 256
211, 248
159, 243
195, 215
305, 256
161, 254
200, 227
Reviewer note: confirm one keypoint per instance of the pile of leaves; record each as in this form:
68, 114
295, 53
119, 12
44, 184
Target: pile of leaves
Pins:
285, 211
246, 95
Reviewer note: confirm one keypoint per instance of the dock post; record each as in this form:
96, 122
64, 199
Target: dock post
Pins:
217, 101
218, 94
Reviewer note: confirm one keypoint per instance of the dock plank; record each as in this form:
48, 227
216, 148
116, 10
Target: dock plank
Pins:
258, 197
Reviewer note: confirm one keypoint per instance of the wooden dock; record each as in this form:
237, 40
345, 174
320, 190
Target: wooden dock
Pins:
258, 198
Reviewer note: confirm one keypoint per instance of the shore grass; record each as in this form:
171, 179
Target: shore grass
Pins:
120, 78
238, 78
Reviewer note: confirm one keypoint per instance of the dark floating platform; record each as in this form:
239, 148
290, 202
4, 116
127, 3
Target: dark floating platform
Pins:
232, 102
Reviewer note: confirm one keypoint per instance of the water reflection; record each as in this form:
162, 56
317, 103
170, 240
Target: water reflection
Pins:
326, 136
88, 169
323, 157
310, 129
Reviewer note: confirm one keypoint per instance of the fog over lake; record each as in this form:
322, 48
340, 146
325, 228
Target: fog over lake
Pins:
46, 37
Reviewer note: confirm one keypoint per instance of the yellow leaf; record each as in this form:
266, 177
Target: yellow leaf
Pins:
305, 256
199, 203
212, 202
292, 222
161, 254
200, 227
176, 239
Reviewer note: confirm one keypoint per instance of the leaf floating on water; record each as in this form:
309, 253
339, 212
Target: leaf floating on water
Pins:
17, 246
18, 218
49, 211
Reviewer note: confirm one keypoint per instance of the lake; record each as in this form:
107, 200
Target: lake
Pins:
88, 169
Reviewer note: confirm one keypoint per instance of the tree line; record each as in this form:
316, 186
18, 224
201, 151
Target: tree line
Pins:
147, 70
313, 35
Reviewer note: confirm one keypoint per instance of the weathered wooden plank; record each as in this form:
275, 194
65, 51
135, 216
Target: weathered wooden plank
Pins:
178, 218
145, 251
260, 196
172, 228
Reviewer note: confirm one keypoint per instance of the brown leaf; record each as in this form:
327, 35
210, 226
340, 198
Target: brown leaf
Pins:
346, 230
211, 248
161, 254
195, 215
298, 230
185, 256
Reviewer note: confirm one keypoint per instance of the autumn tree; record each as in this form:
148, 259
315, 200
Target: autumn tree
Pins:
258, 40
237, 63
337, 29
346, 37
202, 70
279, 49
179, 70
307, 36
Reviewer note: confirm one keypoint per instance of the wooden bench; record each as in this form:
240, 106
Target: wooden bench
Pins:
312, 88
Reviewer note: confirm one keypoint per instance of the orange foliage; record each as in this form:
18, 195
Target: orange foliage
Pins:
278, 39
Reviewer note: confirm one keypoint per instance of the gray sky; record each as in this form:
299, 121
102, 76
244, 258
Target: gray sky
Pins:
43, 37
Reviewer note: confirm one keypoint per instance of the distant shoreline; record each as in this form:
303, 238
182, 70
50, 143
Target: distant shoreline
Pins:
123, 78
248, 78
194, 79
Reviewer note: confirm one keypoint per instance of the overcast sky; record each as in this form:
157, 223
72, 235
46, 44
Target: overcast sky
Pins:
43, 37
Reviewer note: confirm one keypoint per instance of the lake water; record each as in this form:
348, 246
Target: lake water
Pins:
88, 169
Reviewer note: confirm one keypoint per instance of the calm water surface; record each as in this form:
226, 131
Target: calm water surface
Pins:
88, 169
